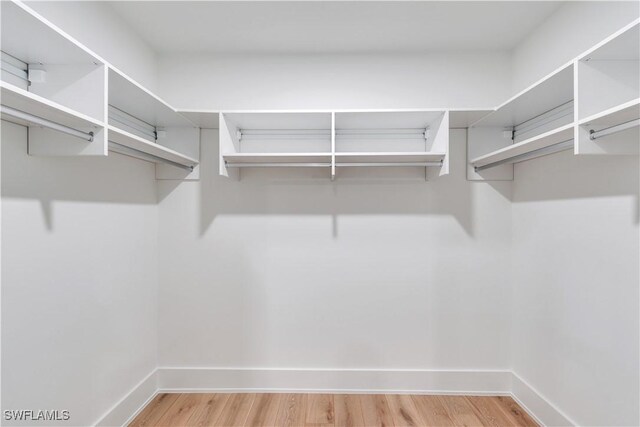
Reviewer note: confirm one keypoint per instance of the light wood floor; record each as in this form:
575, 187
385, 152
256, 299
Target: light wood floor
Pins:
201, 409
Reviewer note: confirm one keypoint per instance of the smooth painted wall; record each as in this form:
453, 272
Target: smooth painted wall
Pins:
79, 279
290, 270
576, 256
431, 80
79, 254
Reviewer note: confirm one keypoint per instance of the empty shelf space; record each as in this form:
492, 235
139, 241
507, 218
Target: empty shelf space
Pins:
546, 95
538, 142
28, 36
622, 46
130, 97
389, 157
620, 114
129, 141
22, 100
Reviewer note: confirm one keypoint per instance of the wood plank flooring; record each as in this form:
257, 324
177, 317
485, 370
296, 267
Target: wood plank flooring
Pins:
337, 410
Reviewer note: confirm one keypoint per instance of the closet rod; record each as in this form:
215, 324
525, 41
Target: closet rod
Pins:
391, 164
123, 149
555, 148
324, 165
595, 134
21, 115
384, 132
277, 165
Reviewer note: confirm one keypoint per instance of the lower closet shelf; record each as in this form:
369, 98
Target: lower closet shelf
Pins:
390, 158
35, 105
126, 143
620, 114
539, 142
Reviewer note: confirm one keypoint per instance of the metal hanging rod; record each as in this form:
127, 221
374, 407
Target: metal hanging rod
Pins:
21, 115
14, 66
279, 133
325, 165
132, 123
278, 165
390, 164
556, 113
556, 148
595, 134
128, 151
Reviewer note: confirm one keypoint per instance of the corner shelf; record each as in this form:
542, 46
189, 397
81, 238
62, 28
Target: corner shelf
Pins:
154, 152
537, 121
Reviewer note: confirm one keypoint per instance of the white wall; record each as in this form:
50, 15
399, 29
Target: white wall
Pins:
576, 260
294, 271
335, 81
575, 250
96, 25
79, 279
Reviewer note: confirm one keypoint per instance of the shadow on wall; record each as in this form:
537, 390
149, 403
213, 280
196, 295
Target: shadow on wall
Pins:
112, 179
367, 191
564, 176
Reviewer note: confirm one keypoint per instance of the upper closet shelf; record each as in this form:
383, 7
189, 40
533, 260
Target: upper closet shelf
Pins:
128, 96
549, 93
621, 46
29, 37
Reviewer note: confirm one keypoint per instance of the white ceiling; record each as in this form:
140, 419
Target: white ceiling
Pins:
332, 27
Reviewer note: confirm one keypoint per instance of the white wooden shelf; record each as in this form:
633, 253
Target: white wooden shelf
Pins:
156, 152
538, 142
132, 98
333, 138
31, 38
614, 116
390, 157
537, 118
36, 105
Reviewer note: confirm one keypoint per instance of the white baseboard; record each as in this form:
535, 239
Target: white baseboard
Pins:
130, 405
544, 412
330, 380
192, 380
